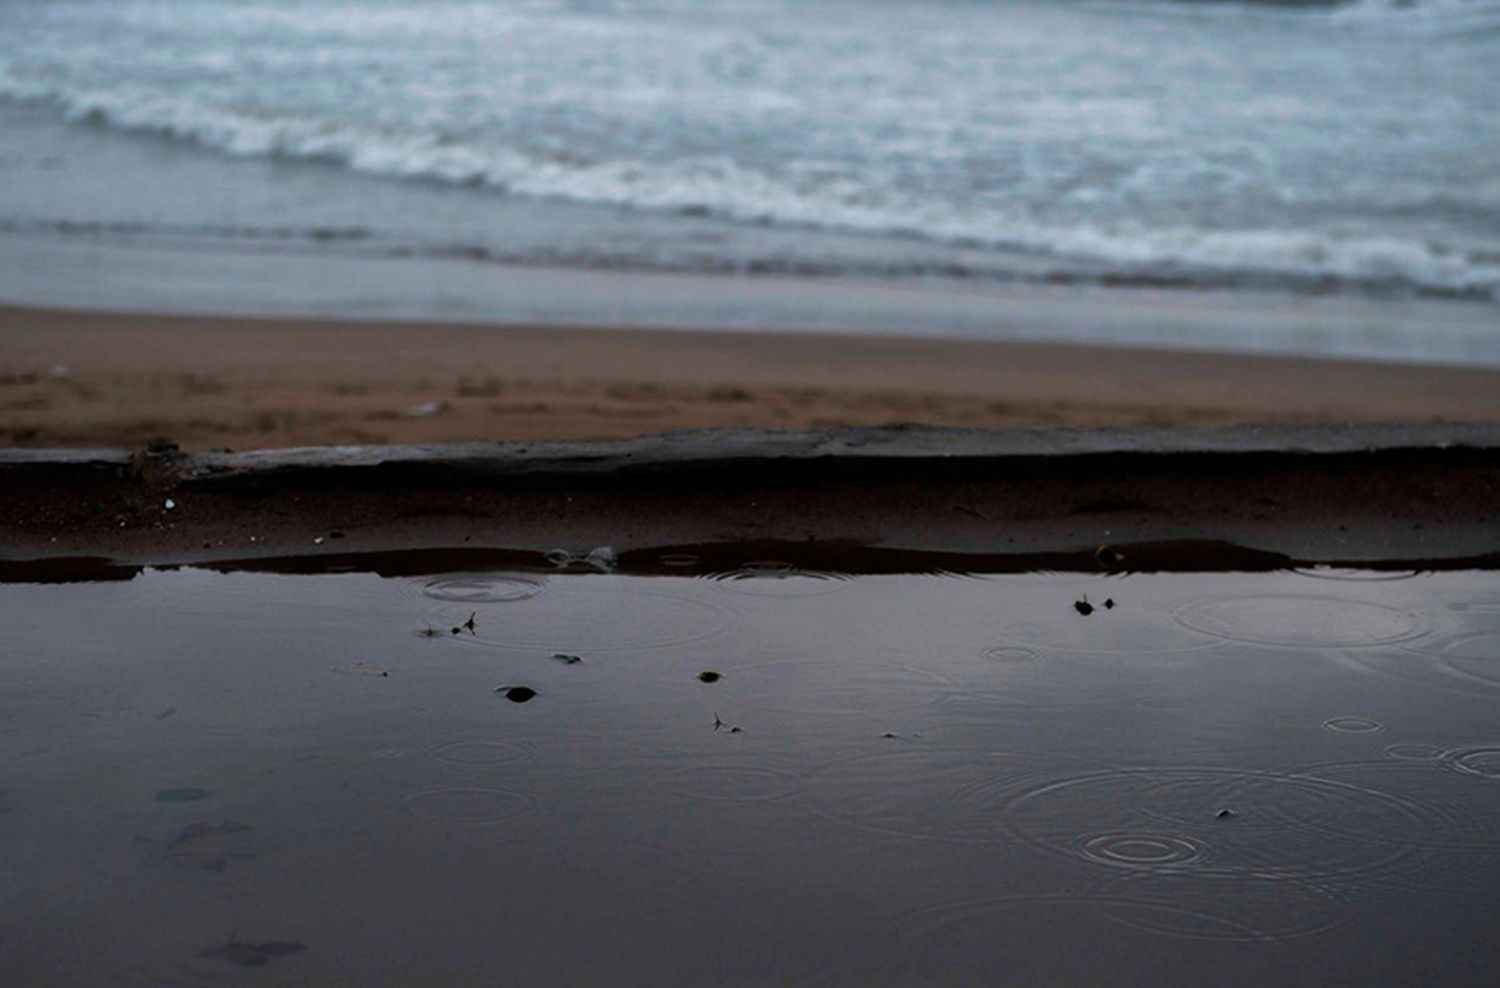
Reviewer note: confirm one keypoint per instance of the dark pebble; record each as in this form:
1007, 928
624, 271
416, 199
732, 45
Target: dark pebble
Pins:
517, 694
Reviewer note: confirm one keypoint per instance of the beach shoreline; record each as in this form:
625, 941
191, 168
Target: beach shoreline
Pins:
80, 379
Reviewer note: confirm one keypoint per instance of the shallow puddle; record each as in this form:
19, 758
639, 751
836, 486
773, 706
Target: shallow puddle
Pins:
758, 776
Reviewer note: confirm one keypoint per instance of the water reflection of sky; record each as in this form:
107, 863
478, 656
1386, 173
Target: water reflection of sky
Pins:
936, 778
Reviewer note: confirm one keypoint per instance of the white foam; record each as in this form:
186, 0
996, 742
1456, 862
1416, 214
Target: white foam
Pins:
887, 165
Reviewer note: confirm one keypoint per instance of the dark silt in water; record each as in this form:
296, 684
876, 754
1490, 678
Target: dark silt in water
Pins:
1253, 778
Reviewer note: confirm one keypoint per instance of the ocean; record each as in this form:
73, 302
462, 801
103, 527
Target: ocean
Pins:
1347, 151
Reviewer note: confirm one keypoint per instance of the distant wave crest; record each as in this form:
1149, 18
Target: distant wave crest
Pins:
709, 186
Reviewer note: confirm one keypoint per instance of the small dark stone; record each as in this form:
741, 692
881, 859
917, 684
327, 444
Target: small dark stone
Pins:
709, 676
1083, 607
516, 694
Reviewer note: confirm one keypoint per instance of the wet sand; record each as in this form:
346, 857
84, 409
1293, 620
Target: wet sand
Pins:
209, 382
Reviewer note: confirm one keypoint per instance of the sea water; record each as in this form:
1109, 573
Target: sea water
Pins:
1351, 150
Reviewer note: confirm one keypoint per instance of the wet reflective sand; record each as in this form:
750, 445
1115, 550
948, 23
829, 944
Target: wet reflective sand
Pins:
1269, 778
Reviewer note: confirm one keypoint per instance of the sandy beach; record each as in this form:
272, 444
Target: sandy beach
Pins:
91, 379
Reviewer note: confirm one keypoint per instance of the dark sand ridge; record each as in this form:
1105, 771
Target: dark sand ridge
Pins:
209, 383
862, 499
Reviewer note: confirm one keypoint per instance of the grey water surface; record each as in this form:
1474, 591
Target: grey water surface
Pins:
1272, 778
1288, 150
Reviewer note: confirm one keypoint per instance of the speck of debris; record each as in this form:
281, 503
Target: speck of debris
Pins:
1225, 814
567, 659
890, 734
516, 694
709, 676
1109, 603
1083, 607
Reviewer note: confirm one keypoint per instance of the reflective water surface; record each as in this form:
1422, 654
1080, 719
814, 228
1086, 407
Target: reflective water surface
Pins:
1261, 778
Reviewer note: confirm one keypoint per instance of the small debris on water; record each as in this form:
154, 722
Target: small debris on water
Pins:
170, 504
1109, 603
1083, 606
1108, 557
1225, 815
362, 669
429, 632
251, 954
181, 795
890, 734
318, 540
709, 676
602, 558
469, 624
567, 659
719, 725
516, 694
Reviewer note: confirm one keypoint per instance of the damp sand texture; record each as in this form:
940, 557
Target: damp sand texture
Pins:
1252, 779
